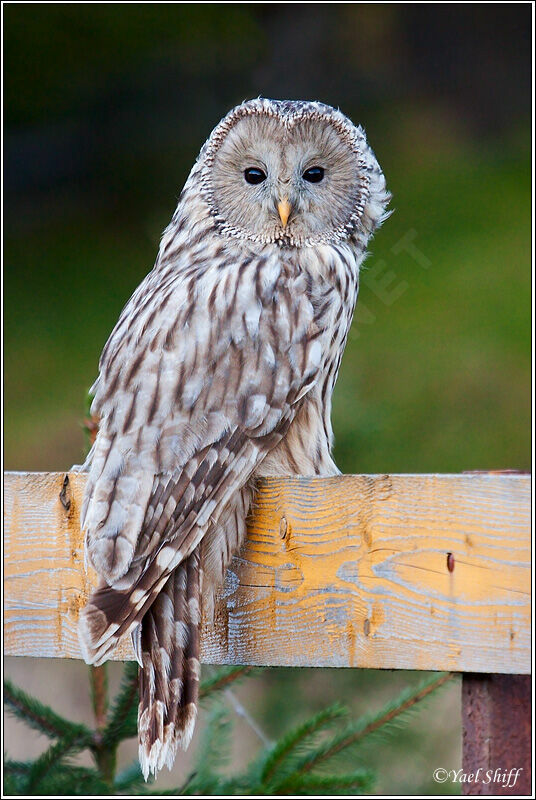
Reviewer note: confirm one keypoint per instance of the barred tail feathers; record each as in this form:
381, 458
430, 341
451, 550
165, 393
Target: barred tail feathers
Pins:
169, 678
161, 611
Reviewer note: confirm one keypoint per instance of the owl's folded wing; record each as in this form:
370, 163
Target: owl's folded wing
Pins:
200, 380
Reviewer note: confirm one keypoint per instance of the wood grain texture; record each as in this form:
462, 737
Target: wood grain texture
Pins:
347, 571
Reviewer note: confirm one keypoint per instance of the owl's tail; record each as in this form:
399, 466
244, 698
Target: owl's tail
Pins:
169, 677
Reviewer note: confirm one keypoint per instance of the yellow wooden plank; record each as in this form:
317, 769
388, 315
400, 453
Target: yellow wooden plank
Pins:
346, 571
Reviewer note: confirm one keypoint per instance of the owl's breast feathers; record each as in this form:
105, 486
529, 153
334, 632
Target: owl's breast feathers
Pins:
202, 377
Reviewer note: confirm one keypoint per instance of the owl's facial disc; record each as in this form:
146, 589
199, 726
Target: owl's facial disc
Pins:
294, 184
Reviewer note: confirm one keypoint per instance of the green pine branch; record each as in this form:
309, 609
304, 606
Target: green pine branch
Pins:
392, 715
359, 782
15, 776
104, 753
395, 713
16, 767
212, 754
66, 778
123, 716
279, 755
130, 779
302, 762
50, 760
42, 718
222, 679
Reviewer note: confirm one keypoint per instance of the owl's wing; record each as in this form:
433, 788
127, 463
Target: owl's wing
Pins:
200, 380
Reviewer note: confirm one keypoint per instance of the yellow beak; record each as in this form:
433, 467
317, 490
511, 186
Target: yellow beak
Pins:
284, 208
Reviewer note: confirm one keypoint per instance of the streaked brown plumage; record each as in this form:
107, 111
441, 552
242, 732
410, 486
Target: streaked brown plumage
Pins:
220, 370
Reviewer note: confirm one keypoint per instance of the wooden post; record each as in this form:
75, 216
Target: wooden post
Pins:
496, 717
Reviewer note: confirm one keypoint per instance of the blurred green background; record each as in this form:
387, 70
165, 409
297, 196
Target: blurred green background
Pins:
106, 107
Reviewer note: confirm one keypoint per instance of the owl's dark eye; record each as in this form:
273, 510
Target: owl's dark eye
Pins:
254, 175
313, 174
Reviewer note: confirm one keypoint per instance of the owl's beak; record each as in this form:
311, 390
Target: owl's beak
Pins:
284, 208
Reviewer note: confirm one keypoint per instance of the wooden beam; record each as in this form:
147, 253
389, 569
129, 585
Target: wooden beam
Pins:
428, 572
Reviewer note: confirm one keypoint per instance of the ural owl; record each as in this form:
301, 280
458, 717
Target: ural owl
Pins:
220, 370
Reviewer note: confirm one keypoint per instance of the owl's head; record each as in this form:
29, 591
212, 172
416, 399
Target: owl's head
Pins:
291, 172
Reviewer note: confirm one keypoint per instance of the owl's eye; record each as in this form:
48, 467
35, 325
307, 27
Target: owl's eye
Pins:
313, 174
254, 175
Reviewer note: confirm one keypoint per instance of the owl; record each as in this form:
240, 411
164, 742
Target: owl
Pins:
220, 371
